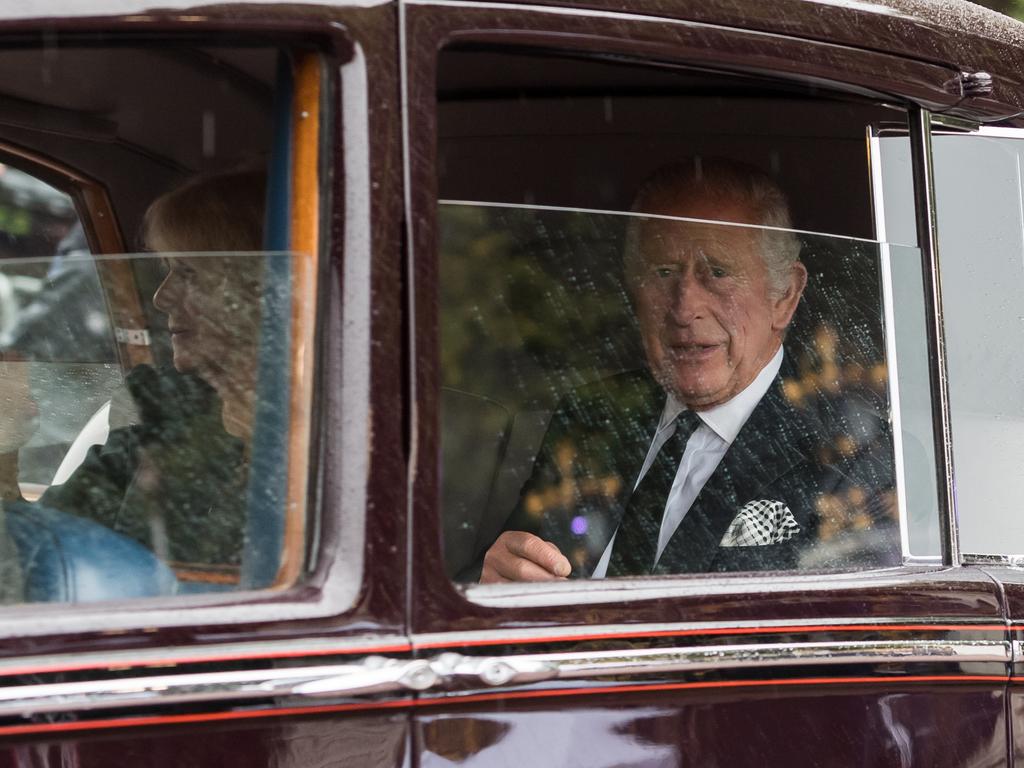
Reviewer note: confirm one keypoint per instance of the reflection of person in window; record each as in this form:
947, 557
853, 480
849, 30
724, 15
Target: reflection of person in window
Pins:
176, 480
718, 471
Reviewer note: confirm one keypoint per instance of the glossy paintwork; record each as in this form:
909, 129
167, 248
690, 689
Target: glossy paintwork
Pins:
289, 743
1016, 712
1012, 581
814, 725
923, 31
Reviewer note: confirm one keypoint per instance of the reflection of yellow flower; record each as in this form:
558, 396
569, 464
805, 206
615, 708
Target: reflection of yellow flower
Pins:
830, 514
855, 496
794, 391
853, 374
564, 493
579, 556
861, 521
879, 376
825, 342
828, 378
849, 512
533, 504
846, 445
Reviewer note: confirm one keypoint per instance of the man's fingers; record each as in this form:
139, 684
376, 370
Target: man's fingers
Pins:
536, 550
520, 556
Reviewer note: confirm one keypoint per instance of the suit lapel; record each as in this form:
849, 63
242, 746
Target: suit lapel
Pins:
636, 414
766, 448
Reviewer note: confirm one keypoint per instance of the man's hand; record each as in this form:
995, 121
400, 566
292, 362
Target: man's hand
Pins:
521, 556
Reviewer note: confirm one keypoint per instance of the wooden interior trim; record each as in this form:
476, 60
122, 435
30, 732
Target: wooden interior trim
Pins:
305, 234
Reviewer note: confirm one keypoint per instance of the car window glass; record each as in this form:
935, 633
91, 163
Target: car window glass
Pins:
979, 201
152, 441
556, 362
909, 363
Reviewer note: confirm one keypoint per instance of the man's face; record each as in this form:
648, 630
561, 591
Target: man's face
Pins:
708, 316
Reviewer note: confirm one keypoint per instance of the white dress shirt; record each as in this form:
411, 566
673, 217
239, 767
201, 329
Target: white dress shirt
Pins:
704, 451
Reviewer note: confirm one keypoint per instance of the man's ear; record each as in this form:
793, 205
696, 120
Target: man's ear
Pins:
784, 304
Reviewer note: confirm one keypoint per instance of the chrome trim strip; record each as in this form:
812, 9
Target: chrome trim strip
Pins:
354, 442
953, 123
555, 10
596, 591
528, 668
617, 15
1009, 561
380, 675
927, 238
578, 633
889, 329
373, 676
1000, 133
408, 267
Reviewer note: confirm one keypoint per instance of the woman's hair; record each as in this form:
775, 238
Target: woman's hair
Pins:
220, 212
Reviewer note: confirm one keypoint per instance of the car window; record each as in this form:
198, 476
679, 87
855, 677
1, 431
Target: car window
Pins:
619, 245
978, 197
155, 434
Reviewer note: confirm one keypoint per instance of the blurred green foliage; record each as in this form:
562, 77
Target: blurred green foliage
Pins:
1013, 8
532, 302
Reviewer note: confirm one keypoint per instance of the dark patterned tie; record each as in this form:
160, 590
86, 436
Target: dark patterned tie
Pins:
636, 541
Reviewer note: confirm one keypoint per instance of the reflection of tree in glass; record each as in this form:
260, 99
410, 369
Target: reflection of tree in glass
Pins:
532, 302
532, 306
839, 372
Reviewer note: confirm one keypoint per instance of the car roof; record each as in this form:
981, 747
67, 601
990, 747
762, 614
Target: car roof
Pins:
953, 33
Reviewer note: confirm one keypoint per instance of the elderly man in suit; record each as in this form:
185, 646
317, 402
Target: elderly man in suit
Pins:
716, 470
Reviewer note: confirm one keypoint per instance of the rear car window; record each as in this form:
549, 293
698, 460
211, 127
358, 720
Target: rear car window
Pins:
158, 303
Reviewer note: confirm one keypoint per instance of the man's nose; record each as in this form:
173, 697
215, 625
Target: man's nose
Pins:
688, 297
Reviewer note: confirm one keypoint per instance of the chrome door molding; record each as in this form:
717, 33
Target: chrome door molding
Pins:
376, 675
372, 675
528, 668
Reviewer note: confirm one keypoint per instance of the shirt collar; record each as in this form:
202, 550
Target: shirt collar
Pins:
727, 419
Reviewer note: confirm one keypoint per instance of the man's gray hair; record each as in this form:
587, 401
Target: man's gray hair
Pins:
717, 179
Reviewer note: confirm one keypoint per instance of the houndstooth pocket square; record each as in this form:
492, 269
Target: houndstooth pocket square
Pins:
759, 523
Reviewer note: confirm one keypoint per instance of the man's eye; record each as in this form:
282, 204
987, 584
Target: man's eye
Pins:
718, 272
663, 272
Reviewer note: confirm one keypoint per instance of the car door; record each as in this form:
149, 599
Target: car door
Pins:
980, 245
529, 131
203, 528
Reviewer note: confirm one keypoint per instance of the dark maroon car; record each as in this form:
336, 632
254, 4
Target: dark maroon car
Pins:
293, 296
